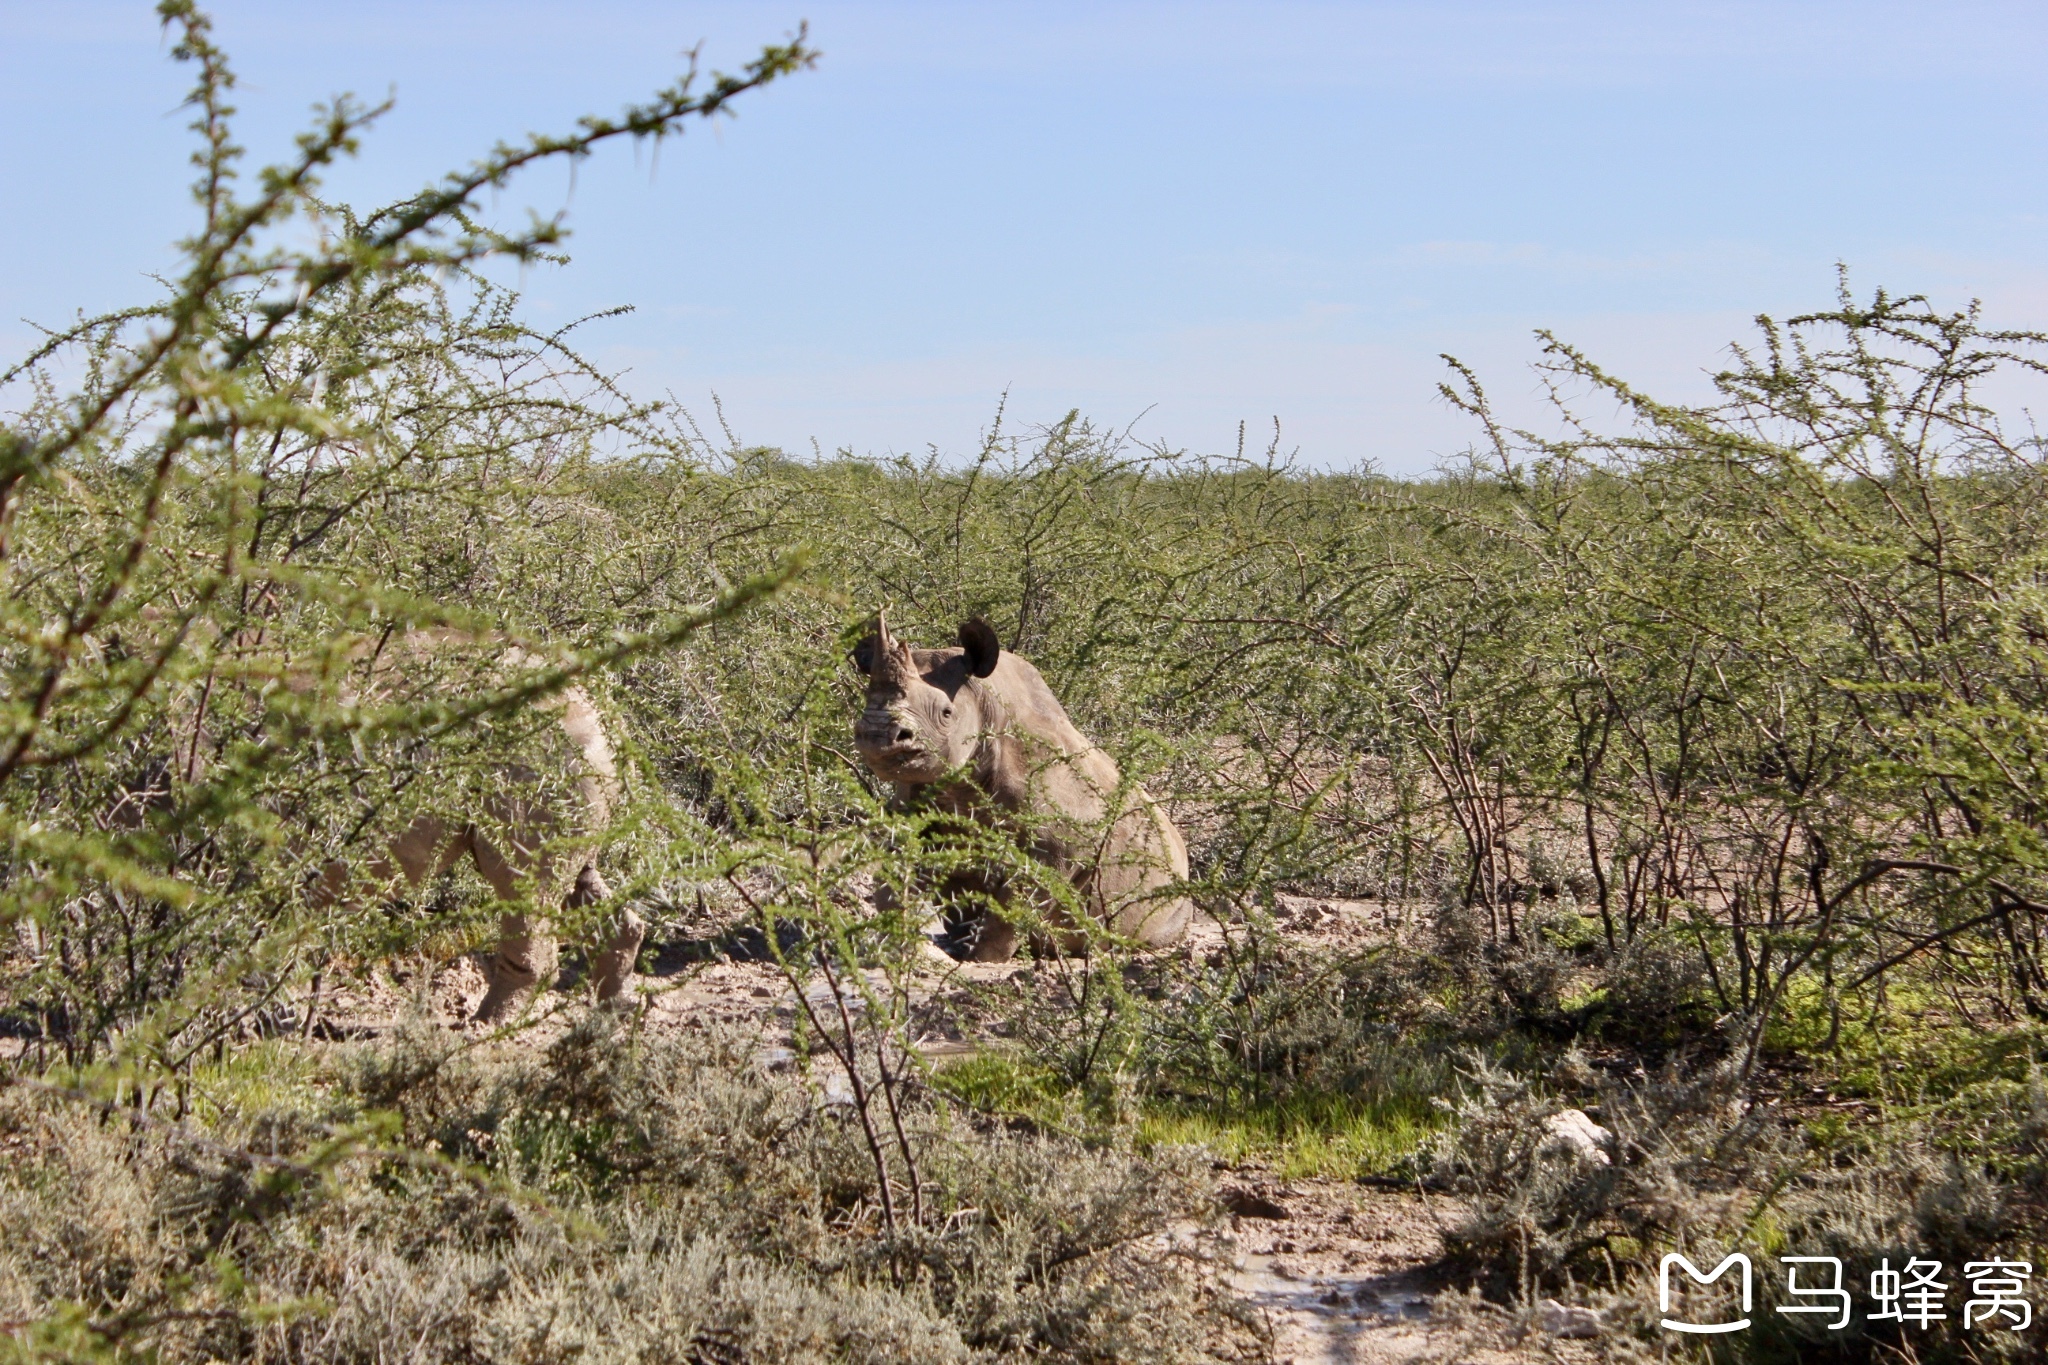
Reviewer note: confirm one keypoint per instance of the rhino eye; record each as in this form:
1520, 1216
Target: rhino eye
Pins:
946, 714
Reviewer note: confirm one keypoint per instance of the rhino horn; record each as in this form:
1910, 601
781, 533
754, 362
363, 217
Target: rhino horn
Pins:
880, 654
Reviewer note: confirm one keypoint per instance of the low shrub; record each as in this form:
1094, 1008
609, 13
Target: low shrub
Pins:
609, 1197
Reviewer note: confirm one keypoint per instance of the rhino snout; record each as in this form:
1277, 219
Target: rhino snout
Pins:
883, 732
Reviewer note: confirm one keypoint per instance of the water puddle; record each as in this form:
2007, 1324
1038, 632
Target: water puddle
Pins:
1336, 1318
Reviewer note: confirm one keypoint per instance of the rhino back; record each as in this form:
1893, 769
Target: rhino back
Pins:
1043, 765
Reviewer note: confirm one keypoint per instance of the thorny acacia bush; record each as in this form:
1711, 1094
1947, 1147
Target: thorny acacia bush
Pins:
221, 544
1711, 742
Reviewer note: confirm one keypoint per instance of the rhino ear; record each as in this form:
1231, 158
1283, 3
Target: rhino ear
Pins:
978, 638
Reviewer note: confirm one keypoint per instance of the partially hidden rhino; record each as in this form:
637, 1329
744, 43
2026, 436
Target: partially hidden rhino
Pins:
531, 846
975, 731
532, 840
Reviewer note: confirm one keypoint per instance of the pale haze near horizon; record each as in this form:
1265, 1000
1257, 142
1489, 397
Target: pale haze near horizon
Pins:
1178, 218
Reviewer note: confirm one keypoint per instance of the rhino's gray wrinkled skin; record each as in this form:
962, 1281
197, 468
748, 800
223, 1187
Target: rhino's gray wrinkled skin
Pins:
934, 717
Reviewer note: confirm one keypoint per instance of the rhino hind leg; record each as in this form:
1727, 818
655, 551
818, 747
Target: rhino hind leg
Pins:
526, 953
522, 959
611, 971
1142, 864
1157, 924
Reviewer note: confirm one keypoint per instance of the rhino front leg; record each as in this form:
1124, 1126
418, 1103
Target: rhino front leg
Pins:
975, 930
989, 938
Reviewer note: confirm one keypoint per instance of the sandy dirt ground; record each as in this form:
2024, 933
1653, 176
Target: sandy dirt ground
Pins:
1352, 1275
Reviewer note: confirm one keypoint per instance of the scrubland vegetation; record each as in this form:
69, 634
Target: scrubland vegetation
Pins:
1695, 756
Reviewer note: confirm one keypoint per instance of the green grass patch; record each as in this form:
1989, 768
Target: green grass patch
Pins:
1910, 1051
1001, 1083
1337, 1136
274, 1075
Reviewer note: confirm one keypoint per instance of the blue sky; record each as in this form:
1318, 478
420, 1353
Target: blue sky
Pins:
1185, 215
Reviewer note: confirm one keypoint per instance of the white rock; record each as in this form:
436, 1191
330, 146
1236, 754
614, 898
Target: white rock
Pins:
1574, 1323
1573, 1131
